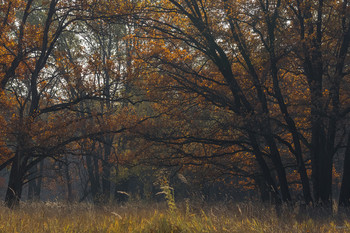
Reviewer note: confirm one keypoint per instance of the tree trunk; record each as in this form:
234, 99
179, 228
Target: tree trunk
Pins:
281, 173
106, 183
106, 175
68, 180
321, 162
264, 189
39, 180
34, 185
32, 182
94, 178
321, 154
325, 178
270, 182
15, 184
344, 198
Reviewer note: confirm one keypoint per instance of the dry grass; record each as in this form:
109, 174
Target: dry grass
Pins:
244, 217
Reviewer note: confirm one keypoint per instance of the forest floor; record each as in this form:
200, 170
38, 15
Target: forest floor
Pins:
156, 217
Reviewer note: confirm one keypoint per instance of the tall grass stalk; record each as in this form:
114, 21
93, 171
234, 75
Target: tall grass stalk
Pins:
169, 194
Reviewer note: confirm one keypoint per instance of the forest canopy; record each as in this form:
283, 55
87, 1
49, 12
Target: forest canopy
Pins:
252, 96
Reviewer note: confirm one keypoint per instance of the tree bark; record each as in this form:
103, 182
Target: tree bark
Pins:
68, 180
270, 182
344, 198
34, 185
106, 173
263, 188
94, 178
15, 184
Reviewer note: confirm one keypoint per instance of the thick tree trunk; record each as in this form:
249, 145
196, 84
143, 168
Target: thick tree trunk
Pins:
106, 183
15, 184
321, 161
344, 198
325, 178
321, 153
94, 178
264, 189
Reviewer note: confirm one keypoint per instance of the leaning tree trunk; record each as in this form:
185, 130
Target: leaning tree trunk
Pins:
281, 173
270, 182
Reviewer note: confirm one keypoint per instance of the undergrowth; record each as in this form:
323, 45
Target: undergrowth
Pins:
162, 218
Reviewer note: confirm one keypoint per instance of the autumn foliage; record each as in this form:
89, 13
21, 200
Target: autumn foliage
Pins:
251, 94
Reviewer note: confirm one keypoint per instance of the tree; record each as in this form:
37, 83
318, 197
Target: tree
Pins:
248, 58
32, 73
256, 90
324, 66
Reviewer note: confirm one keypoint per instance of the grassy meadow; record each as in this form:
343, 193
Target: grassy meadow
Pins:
140, 217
